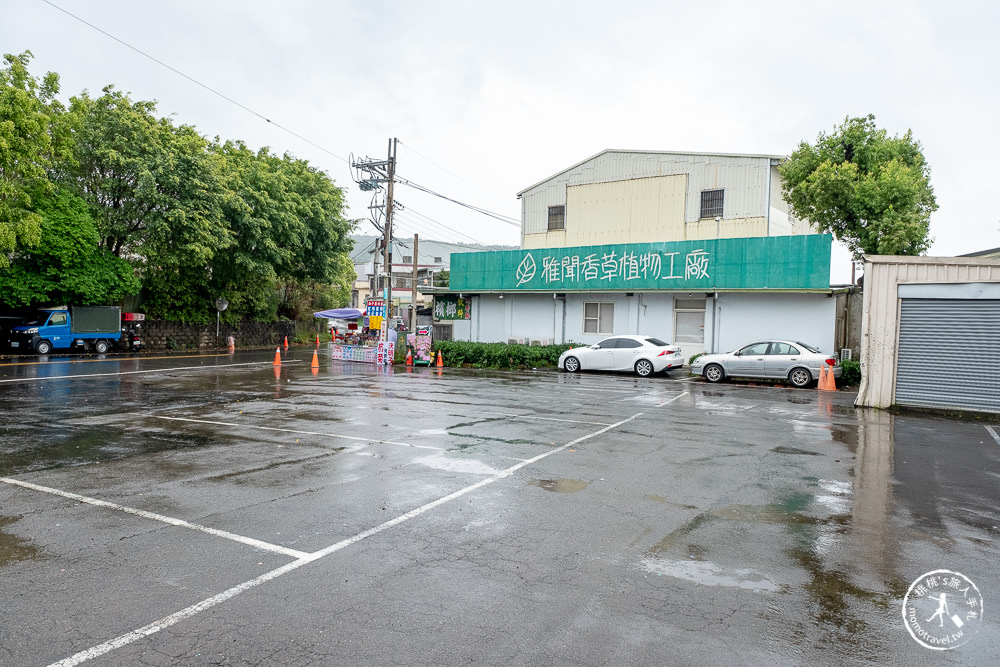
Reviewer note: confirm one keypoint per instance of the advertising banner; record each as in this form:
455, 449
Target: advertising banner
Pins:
775, 262
448, 307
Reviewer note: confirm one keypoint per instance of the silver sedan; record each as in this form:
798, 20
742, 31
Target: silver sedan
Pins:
793, 361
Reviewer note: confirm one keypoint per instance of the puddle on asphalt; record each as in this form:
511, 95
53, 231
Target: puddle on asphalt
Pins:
560, 485
709, 574
793, 450
13, 548
662, 499
831, 589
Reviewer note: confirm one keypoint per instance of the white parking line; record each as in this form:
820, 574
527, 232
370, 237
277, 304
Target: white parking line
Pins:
994, 434
177, 617
671, 400
154, 370
289, 430
550, 419
180, 523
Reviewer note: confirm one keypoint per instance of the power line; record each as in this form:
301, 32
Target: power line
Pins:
502, 218
497, 216
427, 220
199, 83
447, 171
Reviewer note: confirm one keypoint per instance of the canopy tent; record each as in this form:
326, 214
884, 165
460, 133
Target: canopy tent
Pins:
340, 314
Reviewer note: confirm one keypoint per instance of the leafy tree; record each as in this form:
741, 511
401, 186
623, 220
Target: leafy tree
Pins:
870, 190
67, 266
442, 278
154, 191
28, 142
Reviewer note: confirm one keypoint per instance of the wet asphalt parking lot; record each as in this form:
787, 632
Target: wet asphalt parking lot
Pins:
215, 509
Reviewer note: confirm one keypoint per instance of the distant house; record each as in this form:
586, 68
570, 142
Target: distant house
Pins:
696, 248
994, 252
434, 257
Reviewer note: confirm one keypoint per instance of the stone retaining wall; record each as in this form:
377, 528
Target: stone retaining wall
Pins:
163, 335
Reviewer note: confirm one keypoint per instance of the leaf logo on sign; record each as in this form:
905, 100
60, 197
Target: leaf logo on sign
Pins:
526, 270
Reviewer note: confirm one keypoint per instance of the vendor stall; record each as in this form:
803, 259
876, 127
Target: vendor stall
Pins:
356, 343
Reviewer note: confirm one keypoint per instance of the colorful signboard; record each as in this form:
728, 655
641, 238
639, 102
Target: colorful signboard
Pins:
448, 307
775, 262
385, 353
375, 308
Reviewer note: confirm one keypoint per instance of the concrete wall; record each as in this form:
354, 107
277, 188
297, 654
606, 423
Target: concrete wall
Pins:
163, 335
743, 318
880, 316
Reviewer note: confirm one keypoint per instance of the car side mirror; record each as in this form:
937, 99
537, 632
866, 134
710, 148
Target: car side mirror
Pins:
595, 347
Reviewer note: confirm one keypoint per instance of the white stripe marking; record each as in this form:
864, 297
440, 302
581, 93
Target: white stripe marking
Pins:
208, 603
671, 400
994, 434
551, 419
155, 370
289, 430
180, 523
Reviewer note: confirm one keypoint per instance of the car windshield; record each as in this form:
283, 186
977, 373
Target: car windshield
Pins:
657, 342
808, 347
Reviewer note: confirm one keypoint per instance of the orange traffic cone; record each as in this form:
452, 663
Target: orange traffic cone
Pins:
317, 340
409, 358
231, 344
825, 376
315, 363
286, 342
277, 357
440, 361
831, 381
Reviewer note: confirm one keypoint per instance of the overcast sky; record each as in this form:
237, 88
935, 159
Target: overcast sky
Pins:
490, 98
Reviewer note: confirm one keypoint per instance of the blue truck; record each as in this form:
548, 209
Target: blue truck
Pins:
78, 328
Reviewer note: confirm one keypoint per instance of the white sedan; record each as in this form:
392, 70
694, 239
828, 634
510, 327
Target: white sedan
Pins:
644, 355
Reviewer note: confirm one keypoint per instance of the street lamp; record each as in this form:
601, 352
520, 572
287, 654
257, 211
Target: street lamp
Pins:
220, 305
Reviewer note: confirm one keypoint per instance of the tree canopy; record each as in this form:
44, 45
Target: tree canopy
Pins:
870, 190
103, 199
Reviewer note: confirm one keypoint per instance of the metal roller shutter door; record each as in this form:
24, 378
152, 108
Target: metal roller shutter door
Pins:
949, 354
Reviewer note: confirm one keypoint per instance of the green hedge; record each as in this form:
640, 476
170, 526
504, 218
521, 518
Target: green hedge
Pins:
498, 355
850, 372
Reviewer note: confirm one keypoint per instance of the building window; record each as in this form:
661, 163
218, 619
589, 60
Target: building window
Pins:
711, 203
407, 259
598, 318
557, 217
437, 260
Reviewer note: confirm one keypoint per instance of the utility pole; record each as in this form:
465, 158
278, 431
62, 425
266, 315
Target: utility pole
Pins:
370, 174
390, 175
413, 292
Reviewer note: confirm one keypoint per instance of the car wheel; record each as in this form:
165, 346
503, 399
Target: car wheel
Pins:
43, 347
101, 347
714, 373
572, 364
644, 368
800, 377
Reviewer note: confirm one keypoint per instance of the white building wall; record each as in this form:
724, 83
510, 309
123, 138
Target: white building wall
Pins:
743, 318
731, 320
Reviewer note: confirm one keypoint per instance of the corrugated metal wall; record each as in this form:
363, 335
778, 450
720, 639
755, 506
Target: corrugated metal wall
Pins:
949, 354
745, 179
880, 317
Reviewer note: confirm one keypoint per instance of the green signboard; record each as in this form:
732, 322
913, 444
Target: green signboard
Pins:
447, 307
774, 262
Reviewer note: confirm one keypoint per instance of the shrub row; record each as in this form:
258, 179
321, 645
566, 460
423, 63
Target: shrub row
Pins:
498, 355
850, 372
